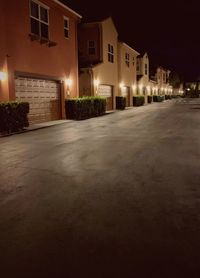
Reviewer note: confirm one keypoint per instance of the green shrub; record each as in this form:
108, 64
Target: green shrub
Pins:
13, 116
120, 103
158, 98
85, 107
150, 98
138, 100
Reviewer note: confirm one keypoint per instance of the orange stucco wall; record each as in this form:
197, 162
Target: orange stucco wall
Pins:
20, 54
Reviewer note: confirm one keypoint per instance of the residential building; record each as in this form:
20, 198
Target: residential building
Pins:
142, 68
162, 78
127, 77
39, 56
98, 60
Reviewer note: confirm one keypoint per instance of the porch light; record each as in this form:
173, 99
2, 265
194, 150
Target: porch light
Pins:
3, 75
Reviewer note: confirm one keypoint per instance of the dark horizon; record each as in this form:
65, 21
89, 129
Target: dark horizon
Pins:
167, 32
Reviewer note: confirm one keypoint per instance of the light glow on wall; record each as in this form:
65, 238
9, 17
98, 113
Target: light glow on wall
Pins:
140, 87
68, 82
121, 85
3, 76
96, 82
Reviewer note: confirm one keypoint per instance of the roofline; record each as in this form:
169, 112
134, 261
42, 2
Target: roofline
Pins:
67, 8
130, 47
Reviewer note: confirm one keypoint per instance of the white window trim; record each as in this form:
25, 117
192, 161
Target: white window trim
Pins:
127, 59
111, 53
68, 29
38, 19
88, 46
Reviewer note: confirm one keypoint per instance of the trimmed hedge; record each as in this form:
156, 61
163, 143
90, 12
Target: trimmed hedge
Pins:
138, 101
13, 116
85, 107
158, 98
120, 103
168, 97
150, 99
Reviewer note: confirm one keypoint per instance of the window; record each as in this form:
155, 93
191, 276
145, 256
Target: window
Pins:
133, 61
146, 69
138, 66
66, 27
164, 77
91, 48
127, 59
39, 19
110, 53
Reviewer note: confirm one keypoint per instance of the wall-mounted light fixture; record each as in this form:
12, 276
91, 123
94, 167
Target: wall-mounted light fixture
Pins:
3, 75
68, 83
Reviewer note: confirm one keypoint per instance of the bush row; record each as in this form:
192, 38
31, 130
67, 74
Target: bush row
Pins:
168, 97
138, 100
13, 116
85, 107
158, 98
120, 103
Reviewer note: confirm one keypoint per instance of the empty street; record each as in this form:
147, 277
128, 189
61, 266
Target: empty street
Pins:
115, 196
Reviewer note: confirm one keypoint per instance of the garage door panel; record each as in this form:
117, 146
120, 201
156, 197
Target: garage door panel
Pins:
107, 92
43, 97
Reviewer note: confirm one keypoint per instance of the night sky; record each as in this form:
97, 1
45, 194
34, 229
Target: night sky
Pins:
168, 31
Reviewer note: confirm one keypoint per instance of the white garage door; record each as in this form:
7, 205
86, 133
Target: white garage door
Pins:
43, 97
106, 91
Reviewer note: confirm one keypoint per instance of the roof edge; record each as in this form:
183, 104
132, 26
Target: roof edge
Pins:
67, 8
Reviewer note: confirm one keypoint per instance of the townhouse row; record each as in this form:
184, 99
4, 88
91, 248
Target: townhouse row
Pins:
39, 47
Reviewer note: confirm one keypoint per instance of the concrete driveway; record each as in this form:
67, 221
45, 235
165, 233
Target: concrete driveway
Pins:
116, 196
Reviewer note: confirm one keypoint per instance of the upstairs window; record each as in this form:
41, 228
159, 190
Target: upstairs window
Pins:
110, 53
138, 66
146, 69
91, 48
164, 77
127, 59
39, 19
66, 27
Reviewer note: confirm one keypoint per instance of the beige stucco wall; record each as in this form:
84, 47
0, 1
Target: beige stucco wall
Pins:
107, 73
127, 75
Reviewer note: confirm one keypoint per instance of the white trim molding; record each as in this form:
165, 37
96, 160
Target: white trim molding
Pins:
67, 8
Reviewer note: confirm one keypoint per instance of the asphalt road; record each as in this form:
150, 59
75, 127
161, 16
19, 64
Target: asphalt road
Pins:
116, 196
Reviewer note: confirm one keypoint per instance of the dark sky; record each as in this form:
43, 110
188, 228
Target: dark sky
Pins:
168, 30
